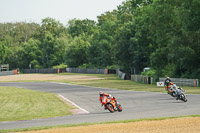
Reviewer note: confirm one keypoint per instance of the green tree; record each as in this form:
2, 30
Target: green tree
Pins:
13, 35
77, 27
77, 52
48, 34
31, 54
61, 45
133, 45
4, 52
174, 24
165, 25
100, 51
190, 14
82, 32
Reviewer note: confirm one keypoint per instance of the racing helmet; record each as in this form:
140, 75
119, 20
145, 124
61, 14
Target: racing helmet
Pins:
167, 81
101, 93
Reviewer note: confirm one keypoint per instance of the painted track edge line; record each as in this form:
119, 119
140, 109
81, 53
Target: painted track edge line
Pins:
73, 104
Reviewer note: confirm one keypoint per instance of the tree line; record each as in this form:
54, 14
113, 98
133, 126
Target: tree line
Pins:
161, 34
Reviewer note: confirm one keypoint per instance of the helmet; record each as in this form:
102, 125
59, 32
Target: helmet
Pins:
167, 80
101, 93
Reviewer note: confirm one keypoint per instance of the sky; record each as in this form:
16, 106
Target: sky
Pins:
61, 10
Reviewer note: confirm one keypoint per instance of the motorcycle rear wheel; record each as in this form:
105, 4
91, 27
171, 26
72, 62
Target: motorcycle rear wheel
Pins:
172, 94
119, 108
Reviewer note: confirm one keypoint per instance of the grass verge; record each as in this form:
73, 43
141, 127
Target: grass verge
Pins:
114, 82
99, 80
87, 124
24, 104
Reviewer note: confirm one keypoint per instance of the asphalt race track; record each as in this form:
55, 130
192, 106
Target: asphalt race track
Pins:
136, 105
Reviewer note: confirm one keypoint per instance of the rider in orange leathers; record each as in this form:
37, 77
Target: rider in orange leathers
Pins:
101, 97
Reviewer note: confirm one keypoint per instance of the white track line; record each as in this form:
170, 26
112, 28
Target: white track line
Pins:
73, 103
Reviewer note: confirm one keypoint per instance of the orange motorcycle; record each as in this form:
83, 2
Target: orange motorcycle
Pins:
110, 103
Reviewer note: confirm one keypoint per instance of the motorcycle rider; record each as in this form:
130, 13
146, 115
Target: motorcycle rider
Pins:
109, 96
168, 84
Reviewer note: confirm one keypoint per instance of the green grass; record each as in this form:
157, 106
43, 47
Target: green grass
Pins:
24, 104
114, 82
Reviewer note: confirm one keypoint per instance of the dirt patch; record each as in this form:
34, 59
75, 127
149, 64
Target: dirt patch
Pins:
182, 125
46, 77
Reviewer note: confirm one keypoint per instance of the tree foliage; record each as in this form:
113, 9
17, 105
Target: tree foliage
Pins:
161, 34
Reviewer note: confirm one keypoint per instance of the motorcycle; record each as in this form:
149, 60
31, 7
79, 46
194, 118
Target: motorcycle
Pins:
171, 92
177, 92
110, 103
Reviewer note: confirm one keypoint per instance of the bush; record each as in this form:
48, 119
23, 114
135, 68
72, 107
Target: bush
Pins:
87, 66
113, 67
60, 66
149, 73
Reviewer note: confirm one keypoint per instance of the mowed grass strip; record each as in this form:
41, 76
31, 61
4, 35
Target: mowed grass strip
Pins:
95, 80
114, 82
24, 104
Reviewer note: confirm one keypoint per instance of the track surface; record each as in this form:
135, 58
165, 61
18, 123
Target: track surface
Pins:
136, 105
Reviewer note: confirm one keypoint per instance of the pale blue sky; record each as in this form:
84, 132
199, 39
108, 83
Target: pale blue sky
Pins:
61, 10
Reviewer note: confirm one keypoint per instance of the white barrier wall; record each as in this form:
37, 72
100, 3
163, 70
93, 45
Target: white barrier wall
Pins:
89, 71
142, 79
182, 81
4, 73
40, 71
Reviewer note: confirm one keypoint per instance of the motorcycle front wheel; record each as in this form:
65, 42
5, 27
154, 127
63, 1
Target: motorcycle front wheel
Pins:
183, 97
110, 107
